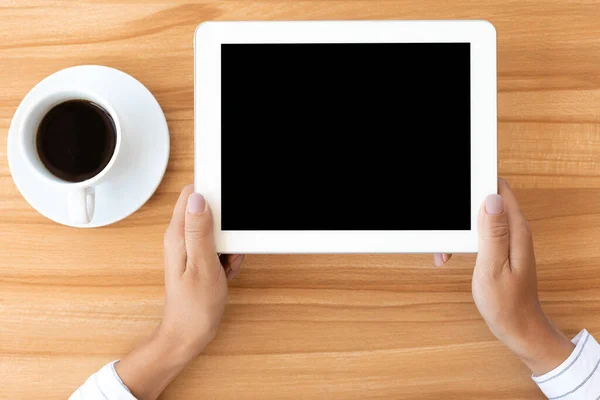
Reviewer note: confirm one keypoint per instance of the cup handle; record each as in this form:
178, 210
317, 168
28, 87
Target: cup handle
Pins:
81, 205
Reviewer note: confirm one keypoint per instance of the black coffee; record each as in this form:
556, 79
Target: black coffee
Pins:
76, 140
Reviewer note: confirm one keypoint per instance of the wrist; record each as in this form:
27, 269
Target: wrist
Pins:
148, 369
544, 349
180, 348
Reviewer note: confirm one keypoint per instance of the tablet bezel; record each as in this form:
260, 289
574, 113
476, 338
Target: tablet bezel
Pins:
207, 129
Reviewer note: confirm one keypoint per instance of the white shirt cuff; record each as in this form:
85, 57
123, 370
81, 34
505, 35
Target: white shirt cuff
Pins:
103, 385
578, 377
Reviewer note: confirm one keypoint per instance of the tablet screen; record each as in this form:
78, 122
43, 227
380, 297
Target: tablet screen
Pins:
366, 136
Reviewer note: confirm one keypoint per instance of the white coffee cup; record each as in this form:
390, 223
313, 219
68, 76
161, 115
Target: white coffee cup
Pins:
81, 195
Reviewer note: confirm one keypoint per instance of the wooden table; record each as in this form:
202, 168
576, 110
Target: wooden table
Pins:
312, 326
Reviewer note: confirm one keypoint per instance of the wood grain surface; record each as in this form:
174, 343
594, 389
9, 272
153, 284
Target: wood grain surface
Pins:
310, 326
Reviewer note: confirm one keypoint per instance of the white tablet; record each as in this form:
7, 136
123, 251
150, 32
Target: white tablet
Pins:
345, 136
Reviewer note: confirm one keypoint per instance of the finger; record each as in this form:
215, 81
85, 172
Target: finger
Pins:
440, 259
226, 259
175, 252
493, 236
236, 263
521, 242
178, 218
233, 261
232, 274
199, 239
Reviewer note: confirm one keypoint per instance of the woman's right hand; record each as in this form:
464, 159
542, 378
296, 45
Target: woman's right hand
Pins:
505, 285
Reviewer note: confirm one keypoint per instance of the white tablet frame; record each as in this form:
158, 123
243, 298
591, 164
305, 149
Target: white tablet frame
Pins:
207, 129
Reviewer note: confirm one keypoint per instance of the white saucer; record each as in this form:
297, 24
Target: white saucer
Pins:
143, 156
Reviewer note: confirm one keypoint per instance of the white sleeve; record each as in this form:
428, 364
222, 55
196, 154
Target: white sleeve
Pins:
578, 377
103, 385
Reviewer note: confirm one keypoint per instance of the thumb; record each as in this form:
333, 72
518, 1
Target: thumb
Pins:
199, 238
493, 236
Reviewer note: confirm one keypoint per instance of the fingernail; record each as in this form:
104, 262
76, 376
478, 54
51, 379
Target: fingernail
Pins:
438, 260
445, 257
196, 203
494, 204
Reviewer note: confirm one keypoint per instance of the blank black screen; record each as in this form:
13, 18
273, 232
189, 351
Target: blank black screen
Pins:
369, 136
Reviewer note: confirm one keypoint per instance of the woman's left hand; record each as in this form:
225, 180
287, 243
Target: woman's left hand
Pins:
440, 259
196, 294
